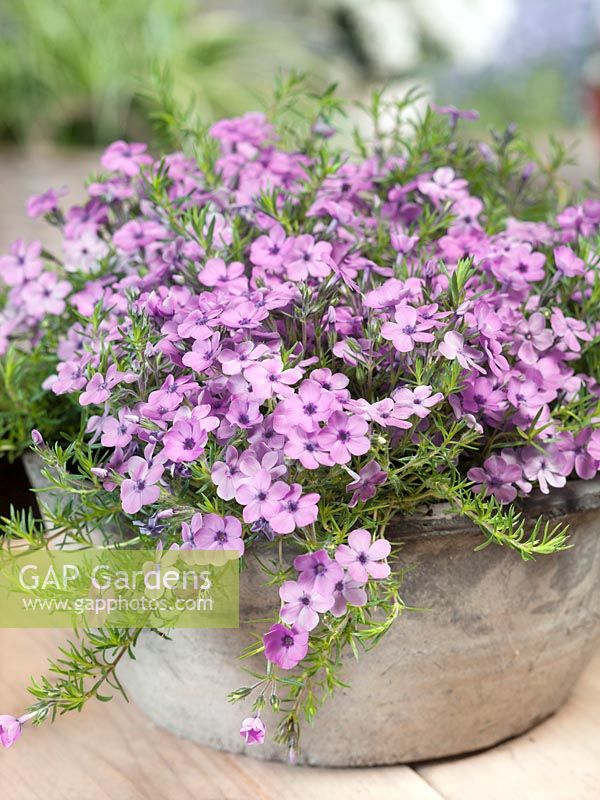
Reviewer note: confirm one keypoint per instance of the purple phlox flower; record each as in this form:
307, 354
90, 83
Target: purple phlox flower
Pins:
481, 397
593, 445
344, 437
260, 496
216, 273
136, 234
532, 338
99, 386
302, 606
520, 266
347, 592
45, 294
226, 474
453, 347
203, 353
199, 323
268, 377
335, 383
364, 486
296, 510
10, 730
257, 458
317, 571
308, 258
244, 315
23, 264
304, 446
525, 394
569, 330
549, 466
364, 558
418, 401
306, 409
253, 730
188, 533
244, 412
568, 263
383, 412
44, 203
125, 157
118, 432
442, 185
497, 477
235, 361
577, 449
285, 647
455, 113
219, 533
185, 441
271, 250
139, 489
408, 329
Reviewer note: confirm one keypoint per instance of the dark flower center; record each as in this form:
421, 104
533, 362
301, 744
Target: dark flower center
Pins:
287, 640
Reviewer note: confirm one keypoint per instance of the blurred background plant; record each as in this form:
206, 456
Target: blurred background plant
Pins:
71, 70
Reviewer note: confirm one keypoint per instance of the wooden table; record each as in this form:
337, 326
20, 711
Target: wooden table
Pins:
112, 752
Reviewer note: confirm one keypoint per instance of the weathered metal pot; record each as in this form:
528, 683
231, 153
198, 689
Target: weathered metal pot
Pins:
499, 649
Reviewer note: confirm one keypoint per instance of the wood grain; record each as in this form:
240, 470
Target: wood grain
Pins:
112, 752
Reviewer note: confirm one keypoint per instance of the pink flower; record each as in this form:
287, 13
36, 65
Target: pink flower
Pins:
260, 496
318, 571
296, 510
302, 605
220, 533
568, 263
407, 330
45, 294
366, 482
118, 432
185, 441
362, 558
453, 347
532, 338
253, 730
569, 330
139, 490
308, 258
226, 474
44, 203
235, 361
307, 409
347, 592
136, 234
244, 412
344, 437
285, 647
497, 477
10, 730
125, 158
549, 467
268, 378
304, 447
98, 387
230, 276
418, 401
269, 251
24, 263
244, 315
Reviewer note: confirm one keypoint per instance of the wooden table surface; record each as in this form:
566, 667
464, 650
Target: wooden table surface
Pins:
111, 751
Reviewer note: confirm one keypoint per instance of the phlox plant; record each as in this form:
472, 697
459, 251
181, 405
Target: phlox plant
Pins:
274, 344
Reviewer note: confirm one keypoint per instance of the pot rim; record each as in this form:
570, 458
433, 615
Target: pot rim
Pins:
576, 497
